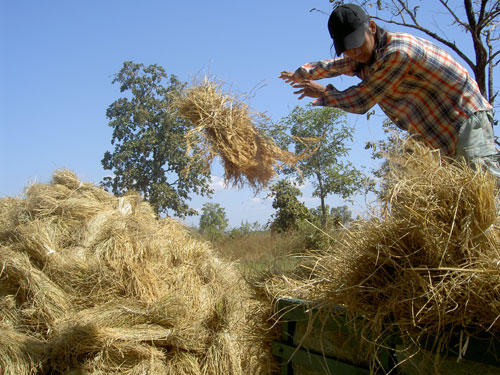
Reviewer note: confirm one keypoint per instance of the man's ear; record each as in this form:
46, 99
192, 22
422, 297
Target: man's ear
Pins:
372, 26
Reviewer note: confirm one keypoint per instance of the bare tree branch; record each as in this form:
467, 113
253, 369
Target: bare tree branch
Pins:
453, 14
413, 17
492, 57
489, 18
400, 12
469, 11
481, 12
453, 46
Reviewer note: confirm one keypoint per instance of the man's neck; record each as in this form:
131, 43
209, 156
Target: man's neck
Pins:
380, 38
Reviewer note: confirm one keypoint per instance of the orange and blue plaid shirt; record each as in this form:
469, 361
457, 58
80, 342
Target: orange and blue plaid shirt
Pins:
419, 86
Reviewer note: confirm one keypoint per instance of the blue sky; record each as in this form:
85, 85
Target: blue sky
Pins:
59, 58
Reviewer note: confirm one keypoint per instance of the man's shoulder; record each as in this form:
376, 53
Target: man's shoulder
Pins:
403, 40
407, 43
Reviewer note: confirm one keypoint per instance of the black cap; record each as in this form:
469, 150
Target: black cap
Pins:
347, 25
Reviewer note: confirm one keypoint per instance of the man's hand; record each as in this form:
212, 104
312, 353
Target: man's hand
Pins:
309, 88
289, 77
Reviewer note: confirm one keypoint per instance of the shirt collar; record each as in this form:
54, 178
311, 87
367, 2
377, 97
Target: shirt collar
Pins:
379, 46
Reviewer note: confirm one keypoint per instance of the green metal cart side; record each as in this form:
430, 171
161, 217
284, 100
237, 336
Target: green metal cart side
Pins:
310, 345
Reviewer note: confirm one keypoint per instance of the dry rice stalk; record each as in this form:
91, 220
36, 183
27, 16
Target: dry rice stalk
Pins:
39, 302
110, 289
229, 131
182, 363
19, 353
89, 346
220, 357
427, 264
11, 214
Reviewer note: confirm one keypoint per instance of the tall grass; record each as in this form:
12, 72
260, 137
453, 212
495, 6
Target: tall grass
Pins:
263, 251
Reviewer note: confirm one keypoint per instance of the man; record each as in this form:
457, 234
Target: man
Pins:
420, 87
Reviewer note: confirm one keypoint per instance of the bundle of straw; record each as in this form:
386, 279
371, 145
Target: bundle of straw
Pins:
19, 354
427, 264
229, 130
95, 284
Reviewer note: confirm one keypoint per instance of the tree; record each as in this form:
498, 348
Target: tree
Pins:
289, 210
327, 167
380, 149
213, 220
336, 216
341, 215
149, 154
478, 18
321, 238
245, 229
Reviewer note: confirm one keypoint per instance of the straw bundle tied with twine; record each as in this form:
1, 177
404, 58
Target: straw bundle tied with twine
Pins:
95, 284
228, 129
426, 265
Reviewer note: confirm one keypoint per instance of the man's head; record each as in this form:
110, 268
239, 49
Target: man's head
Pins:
353, 32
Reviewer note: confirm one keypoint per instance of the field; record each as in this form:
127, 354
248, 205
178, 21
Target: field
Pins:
130, 293
263, 252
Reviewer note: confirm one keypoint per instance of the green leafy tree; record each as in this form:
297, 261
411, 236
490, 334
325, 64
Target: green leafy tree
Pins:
379, 151
245, 229
149, 147
341, 215
320, 235
327, 168
213, 220
289, 210
336, 216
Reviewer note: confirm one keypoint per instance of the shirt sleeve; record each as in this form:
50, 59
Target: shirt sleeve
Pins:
377, 84
326, 68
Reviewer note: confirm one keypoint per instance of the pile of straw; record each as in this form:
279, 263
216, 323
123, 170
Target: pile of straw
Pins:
426, 265
94, 284
229, 130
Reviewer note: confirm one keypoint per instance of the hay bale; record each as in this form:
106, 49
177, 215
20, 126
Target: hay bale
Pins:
101, 351
37, 301
19, 354
9, 217
426, 263
111, 289
229, 130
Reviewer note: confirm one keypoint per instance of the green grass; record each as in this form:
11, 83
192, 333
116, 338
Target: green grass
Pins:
263, 252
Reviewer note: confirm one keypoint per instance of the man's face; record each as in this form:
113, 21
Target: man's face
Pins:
364, 53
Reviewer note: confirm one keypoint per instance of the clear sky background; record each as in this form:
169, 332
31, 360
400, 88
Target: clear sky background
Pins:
58, 59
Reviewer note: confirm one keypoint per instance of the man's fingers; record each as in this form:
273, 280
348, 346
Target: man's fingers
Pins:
286, 75
302, 92
301, 84
309, 89
288, 79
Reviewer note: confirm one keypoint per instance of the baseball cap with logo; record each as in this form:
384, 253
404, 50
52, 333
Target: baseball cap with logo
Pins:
347, 25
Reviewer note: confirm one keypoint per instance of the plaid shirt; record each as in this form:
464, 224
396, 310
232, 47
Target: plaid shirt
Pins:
420, 87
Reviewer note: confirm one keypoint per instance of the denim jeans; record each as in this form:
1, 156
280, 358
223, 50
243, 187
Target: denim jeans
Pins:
476, 144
